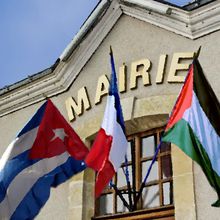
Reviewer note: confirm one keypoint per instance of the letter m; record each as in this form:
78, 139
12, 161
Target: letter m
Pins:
83, 103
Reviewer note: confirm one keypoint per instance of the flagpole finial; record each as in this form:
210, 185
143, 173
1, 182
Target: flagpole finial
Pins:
196, 54
45, 96
111, 50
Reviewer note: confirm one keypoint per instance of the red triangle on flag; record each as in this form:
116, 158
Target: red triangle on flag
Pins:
55, 136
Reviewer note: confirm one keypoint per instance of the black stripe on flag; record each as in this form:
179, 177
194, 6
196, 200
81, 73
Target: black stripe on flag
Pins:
206, 96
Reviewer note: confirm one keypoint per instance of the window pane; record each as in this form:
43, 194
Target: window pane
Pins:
106, 204
166, 193
121, 179
120, 205
166, 166
148, 146
153, 173
151, 197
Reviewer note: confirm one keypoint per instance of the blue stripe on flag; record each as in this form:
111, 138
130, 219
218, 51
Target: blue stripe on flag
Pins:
40, 192
11, 169
113, 90
35, 120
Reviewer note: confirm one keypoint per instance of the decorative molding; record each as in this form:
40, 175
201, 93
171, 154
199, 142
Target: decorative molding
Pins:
194, 24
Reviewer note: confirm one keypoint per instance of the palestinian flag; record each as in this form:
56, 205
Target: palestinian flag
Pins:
194, 125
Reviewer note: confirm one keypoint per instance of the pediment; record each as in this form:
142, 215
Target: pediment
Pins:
58, 78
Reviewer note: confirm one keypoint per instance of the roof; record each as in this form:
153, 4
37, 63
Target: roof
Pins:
189, 6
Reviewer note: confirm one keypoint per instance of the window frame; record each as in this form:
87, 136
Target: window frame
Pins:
157, 211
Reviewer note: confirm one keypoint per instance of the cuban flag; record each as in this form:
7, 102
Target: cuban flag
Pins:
44, 154
109, 148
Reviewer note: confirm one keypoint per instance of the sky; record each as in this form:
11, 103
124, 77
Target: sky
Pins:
180, 2
34, 33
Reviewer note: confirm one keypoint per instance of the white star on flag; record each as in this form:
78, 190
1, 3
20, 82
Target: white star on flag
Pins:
59, 133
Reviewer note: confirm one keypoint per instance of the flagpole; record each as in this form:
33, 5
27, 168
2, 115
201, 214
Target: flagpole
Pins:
196, 55
128, 181
120, 196
133, 171
126, 160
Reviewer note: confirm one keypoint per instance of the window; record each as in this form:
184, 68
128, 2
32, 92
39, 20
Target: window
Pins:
157, 194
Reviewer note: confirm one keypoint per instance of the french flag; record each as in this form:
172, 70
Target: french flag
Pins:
44, 154
110, 146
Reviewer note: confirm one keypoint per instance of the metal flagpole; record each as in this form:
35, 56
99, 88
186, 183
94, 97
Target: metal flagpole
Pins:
133, 172
128, 181
120, 196
158, 147
126, 161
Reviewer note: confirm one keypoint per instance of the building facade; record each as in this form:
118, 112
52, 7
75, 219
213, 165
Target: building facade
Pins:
153, 44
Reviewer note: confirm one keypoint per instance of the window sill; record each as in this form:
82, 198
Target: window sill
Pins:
166, 212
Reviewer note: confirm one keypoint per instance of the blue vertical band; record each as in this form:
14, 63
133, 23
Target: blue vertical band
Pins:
113, 90
34, 121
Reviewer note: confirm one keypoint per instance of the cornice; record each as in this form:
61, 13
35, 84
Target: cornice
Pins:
192, 25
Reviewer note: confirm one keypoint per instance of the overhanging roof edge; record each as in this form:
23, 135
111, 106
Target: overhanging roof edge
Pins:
54, 81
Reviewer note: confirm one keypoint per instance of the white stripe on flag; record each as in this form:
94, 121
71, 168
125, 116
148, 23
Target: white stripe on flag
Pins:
114, 129
6, 156
119, 147
205, 132
18, 146
25, 142
109, 116
25, 180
